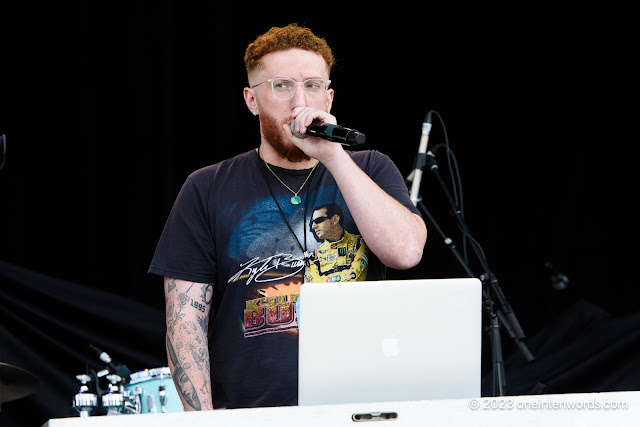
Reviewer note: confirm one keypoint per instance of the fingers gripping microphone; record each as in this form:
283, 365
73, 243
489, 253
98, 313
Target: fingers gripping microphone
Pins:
334, 133
420, 159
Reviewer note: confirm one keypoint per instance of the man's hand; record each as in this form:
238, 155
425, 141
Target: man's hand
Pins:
316, 148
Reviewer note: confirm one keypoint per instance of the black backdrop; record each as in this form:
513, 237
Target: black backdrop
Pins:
108, 107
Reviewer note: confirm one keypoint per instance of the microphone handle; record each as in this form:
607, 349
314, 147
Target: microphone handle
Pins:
336, 134
332, 133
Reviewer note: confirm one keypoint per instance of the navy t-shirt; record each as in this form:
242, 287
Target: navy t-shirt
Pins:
225, 228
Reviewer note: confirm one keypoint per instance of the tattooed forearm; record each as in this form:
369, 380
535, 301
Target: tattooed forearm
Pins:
187, 341
181, 379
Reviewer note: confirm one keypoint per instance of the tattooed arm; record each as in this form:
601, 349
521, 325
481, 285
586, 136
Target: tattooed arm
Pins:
187, 307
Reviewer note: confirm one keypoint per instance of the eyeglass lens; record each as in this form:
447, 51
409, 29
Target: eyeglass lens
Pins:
286, 88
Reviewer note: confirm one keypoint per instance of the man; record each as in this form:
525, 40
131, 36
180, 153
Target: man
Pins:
342, 255
235, 247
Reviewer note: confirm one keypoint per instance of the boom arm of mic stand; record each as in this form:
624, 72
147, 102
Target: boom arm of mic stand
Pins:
508, 311
499, 382
490, 277
503, 319
507, 318
447, 241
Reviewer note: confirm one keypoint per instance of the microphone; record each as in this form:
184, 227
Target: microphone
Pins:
103, 355
420, 159
334, 133
118, 369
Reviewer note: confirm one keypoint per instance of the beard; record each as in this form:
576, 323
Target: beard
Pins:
273, 134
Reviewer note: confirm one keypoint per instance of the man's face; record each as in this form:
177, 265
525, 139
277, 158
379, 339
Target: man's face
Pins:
295, 64
325, 227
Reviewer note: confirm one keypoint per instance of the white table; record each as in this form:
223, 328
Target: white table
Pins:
591, 409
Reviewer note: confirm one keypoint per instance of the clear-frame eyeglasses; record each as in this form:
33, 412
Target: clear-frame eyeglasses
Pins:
284, 88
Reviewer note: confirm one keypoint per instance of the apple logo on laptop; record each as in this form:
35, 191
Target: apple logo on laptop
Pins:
391, 347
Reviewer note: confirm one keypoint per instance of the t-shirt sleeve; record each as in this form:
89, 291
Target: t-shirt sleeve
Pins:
186, 249
385, 173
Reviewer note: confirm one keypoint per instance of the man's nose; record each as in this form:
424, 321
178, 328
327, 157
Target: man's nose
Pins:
299, 99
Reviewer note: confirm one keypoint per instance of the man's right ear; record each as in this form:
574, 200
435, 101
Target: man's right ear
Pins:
250, 100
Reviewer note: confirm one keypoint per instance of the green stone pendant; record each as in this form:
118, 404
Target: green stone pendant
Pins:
295, 200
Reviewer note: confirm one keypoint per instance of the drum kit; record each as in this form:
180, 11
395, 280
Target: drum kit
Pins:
146, 391
143, 392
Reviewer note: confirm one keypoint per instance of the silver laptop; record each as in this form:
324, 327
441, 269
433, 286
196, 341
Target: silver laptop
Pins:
389, 341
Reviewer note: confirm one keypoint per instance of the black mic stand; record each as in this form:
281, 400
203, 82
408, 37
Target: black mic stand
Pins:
490, 285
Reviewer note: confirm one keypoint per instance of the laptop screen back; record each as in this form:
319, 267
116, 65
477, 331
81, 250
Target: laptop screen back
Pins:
389, 341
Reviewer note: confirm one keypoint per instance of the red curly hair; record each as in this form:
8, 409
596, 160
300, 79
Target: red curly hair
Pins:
285, 38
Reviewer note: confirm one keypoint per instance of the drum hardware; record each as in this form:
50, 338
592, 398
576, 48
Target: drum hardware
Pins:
111, 366
142, 386
132, 404
151, 404
113, 400
133, 401
126, 393
101, 400
149, 391
162, 392
84, 402
153, 387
